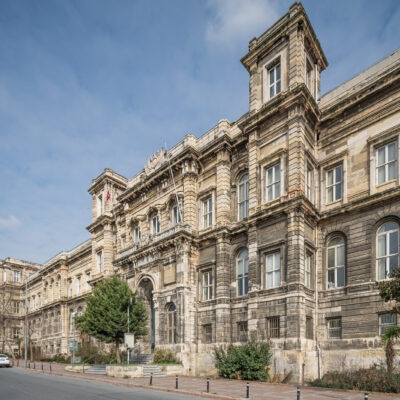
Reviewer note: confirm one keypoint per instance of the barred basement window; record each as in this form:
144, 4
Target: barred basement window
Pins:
386, 321
273, 330
242, 331
309, 328
335, 328
207, 333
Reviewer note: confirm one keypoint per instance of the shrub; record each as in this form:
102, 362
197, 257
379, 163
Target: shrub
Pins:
249, 361
374, 379
162, 356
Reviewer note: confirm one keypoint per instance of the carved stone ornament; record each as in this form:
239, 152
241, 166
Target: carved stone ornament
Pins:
155, 161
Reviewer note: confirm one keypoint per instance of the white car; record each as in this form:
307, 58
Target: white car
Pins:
4, 361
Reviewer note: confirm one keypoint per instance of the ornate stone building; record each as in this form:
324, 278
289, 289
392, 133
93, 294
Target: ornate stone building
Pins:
276, 225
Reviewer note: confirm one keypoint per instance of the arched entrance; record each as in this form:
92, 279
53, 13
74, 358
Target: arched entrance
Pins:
145, 292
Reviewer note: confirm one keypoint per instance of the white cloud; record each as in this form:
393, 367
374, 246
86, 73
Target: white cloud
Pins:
9, 222
237, 20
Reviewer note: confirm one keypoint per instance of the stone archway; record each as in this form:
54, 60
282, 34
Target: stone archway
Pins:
145, 293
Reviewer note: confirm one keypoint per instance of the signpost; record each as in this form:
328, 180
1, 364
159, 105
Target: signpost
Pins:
129, 342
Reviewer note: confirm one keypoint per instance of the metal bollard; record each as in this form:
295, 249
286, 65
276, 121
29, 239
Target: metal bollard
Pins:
17, 363
34, 366
42, 366
208, 385
298, 392
50, 367
176, 382
29, 365
151, 379
365, 396
247, 390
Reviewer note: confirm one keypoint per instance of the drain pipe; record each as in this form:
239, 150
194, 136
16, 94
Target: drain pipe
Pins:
316, 311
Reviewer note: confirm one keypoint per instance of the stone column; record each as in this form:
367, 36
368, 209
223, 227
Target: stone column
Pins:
189, 174
223, 196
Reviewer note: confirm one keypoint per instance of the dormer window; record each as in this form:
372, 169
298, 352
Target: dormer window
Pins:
274, 79
155, 225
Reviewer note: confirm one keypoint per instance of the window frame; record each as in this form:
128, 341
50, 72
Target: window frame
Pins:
171, 324
243, 204
99, 261
17, 276
242, 281
273, 327
386, 163
207, 211
137, 235
100, 204
335, 267
155, 224
332, 329
274, 182
242, 334
309, 327
207, 291
387, 256
277, 269
308, 268
273, 67
386, 325
334, 184
207, 334
176, 215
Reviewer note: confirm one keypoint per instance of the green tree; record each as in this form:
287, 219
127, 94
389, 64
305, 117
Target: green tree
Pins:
390, 291
106, 314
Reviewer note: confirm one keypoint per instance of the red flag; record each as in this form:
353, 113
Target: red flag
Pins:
108, 195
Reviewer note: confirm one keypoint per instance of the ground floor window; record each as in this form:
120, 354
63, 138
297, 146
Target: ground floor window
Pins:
207, 333
242, 331
171, 323
335, 328
309, 328
386, 321
273, 330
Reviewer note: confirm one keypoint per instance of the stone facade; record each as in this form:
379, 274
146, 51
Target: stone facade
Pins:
268, 226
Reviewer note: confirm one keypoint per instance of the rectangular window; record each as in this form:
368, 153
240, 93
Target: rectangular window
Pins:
176, 215
87, 281
309, 183
274, 77
17, 276
273, 327
207, 283
309, 77
207, 333
307, 271
155, 225
386, 321
16, 307
136, 234
334, 184
309, 328
99, 204
40, 300
15, 333
273, 270
386, 165
243, 197
78, 285
4, 275
207, 212
242, 331
70, 288
99, 261
273, 179
122, 242
335, 328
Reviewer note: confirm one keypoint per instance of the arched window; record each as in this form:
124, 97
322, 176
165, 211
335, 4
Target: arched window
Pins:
387, 249
171, 323
242, 263
243, 197
336, 265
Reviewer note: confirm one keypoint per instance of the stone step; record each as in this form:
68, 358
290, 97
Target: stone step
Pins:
154, 370
99, 369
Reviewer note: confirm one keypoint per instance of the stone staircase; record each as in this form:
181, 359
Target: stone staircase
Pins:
97, 369
141, 359
155, 370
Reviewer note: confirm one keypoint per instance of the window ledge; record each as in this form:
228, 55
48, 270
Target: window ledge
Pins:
387, 183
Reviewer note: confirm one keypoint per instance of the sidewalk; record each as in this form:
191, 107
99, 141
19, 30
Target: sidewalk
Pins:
219, 388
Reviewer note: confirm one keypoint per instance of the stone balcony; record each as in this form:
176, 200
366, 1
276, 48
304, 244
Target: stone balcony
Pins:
154, 240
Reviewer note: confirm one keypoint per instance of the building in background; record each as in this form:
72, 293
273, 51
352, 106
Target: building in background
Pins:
276, 225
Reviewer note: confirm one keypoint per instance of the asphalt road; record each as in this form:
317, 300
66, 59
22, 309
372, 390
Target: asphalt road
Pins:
17, 384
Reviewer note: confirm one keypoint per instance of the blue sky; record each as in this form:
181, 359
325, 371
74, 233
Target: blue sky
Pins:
90, 84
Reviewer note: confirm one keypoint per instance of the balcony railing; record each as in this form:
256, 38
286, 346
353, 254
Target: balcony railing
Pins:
148, 240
